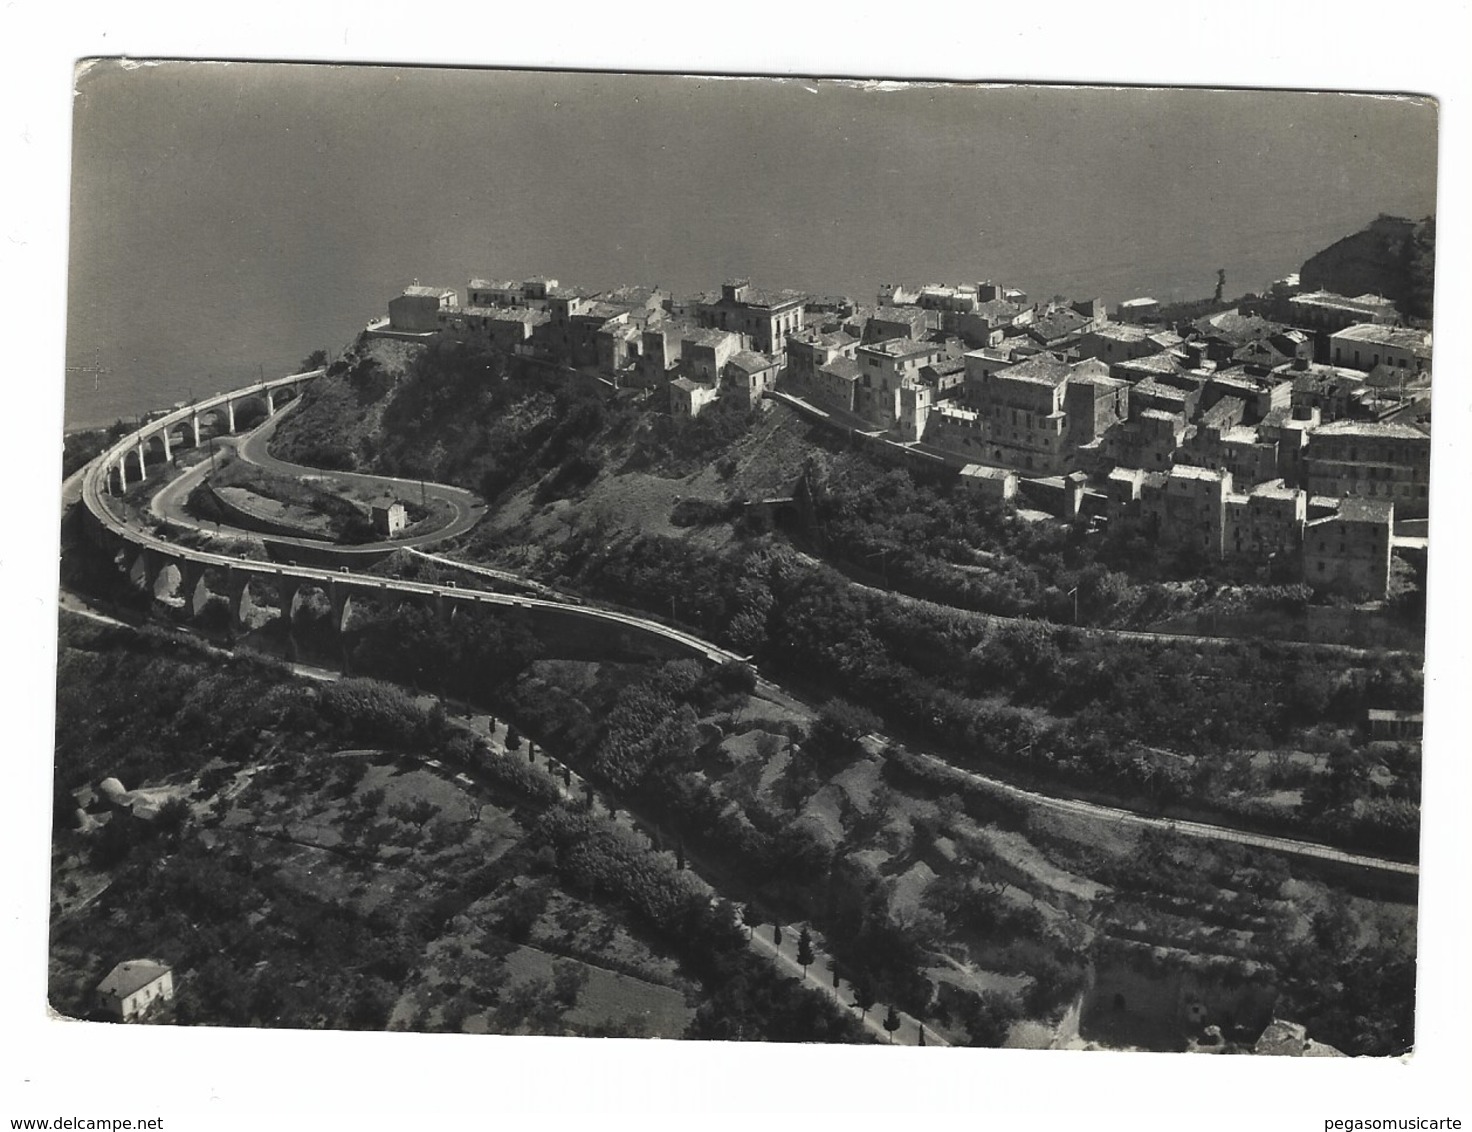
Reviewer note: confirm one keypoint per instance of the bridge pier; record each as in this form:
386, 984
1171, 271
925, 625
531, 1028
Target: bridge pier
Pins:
168, 451
153, 565
342, 605
270, 402
191, 579
288, 588
194, 423
230, 414
237, 594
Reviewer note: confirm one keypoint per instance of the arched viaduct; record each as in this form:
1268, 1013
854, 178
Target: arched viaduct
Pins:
188, 422
568, 630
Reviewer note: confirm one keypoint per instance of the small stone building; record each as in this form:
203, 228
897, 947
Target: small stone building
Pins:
1387, 723
134, 987
1349, 552
688, 397
998, 485
390, 521
418, 308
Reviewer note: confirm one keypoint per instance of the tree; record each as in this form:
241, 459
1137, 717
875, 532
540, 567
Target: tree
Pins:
173, 817
568, 980
777, 935
679, 854
921, 1027
988, 1018
863, 994
417, 813
805, 950
750, 917
513, 739
892, 1022
531, 753
836, 733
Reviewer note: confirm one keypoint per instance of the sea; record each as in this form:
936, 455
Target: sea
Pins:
229, 219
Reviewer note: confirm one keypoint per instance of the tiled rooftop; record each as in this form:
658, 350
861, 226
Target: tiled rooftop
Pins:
131, 975
836, 339
1044, 369
900, 348
1187, 472
1057, 324
1274, 489
843, 367
750, 361
1387, 430
710, 337
1387, 336
1121, 332
1355, 510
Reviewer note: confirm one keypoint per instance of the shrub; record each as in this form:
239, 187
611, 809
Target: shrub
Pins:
370, 711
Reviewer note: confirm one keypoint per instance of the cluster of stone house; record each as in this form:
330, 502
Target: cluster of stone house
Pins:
1283, 442
1277, 434
727, 342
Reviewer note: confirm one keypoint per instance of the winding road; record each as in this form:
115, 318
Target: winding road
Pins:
1196, 829
94, 497
466, 507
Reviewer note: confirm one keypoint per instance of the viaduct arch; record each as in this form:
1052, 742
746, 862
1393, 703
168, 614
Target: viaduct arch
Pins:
194, 575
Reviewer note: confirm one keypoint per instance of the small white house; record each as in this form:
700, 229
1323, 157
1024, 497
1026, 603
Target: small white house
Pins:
133, 987
390, 521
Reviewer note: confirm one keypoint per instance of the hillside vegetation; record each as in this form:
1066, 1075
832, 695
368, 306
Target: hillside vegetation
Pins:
950, 623
314, 863
1390, 256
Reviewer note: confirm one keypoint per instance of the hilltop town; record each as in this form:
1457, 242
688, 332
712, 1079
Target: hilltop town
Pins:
960, 668
1284, 437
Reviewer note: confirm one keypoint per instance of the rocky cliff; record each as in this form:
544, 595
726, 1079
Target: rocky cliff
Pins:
1391, 256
